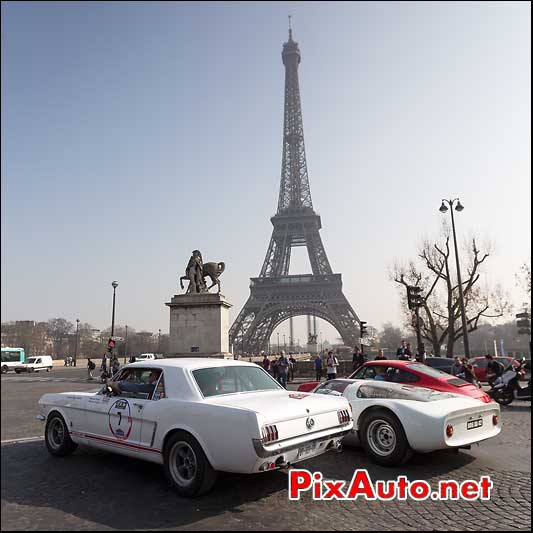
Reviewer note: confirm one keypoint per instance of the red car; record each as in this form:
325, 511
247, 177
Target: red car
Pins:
480, 366
411, 373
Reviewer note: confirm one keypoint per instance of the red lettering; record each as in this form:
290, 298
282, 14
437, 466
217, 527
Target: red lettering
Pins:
299, 480
388, 493
486, 486
447, 487
469, 490
334, 490
361, 486
317, 486
420, 490
402, 485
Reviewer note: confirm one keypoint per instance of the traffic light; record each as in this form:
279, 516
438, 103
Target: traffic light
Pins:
362, 326
414, 298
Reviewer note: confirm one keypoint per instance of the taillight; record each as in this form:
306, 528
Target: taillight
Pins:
270, 434
449, 430
495, 420
344, 417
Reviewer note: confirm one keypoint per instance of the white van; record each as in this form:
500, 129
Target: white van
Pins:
34, 364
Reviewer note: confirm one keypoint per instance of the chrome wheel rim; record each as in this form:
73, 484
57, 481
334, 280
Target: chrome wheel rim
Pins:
183, 463
381, 437
56, 433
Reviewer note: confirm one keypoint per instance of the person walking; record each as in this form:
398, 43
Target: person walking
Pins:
292, 368
358, 358
115, 366
380, 356
331, 365
318, 367
403, 351
283, 370
457, 367
90, 367
494, 369
266, 363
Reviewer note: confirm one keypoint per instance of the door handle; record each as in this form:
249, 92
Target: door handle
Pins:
138, 405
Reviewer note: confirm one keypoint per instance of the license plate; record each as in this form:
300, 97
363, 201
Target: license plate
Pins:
307, 451
473, 424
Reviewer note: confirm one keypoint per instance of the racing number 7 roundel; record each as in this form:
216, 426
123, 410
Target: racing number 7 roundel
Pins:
120, 422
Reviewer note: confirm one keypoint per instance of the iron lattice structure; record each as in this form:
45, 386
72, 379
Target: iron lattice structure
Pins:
276, 296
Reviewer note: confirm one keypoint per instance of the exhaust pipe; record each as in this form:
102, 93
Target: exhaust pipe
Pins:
335, 446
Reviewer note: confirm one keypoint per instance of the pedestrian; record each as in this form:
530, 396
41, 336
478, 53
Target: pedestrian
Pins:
494, 369
331, 365
292, 368
380, 356
318, 367
115, 366
90, 367
274, 366
283, 370
66, 360
469, 374
358, 358
132, 359
403, 352
457, 367
266, 363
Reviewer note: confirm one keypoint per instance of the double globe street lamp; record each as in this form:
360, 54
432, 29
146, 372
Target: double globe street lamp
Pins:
456, 205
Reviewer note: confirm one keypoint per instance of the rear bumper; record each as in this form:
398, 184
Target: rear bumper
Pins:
293, 444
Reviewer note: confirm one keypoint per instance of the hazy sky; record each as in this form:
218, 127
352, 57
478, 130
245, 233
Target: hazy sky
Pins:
133, 133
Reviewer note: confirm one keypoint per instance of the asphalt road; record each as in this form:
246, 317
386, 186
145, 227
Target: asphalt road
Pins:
92, 490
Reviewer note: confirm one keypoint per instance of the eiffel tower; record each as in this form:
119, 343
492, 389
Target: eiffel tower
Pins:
276, 296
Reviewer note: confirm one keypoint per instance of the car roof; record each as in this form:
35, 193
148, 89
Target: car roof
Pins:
189, 362
388, 362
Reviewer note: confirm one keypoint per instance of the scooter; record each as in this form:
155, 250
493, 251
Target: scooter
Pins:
507, 388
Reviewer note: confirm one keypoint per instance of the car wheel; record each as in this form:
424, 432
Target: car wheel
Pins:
49, 369
383, 438
17, 371
187, 467
4, 369
57, 437
504, 398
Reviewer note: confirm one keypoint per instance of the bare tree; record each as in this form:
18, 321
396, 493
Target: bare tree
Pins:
390, 336
58, 330
523, 278
441, 312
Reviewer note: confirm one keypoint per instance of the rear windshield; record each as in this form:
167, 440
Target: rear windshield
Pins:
332, 387
232, 379
428, 371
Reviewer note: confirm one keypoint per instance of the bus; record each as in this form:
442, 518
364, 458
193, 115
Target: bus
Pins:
11, 357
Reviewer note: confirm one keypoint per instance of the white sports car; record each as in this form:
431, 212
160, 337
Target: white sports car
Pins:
392, 421
197, 417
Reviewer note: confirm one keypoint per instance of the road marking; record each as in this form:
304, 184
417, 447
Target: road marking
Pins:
25, 439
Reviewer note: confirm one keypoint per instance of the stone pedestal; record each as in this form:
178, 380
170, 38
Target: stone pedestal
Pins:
199, 326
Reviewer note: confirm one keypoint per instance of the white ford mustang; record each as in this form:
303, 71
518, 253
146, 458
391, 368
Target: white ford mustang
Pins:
197, 417
391, 421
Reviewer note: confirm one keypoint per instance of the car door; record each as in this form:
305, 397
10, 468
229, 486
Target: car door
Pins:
114, 422
150, 410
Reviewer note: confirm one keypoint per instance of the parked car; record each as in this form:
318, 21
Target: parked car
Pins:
415, 374
480, 366
444, 364
196, 417
34, 364
392, 421
145, 357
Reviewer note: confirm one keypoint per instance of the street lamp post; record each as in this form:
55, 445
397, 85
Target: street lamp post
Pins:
284, 343
114, 284
77, 341
126, 345
278, 342
443, 209
159, 342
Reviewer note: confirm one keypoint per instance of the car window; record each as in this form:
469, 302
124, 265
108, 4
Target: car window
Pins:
30, 360
403, 376
427, 370
38, 361
360, 374
139, 383
481, 363
232, 379
331, 387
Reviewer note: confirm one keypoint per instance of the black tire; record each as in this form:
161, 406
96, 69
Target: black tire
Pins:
192, 478
57, 437
17, 371
383, 438
5, 369
504, 398
49, 369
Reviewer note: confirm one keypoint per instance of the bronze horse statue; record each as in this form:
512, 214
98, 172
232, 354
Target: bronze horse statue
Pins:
210, 270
